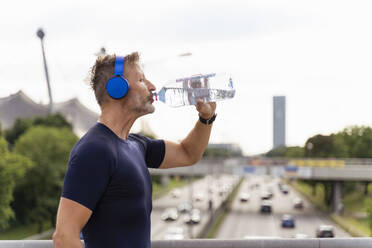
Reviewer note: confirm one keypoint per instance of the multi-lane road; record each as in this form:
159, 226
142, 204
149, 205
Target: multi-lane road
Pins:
206, 190
245, 219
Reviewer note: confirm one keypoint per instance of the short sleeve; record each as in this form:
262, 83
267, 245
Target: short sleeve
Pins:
154, 150
88, 174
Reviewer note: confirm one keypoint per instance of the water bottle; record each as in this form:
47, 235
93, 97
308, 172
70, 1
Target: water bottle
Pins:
187, 91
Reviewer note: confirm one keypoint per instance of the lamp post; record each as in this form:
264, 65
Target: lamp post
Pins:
40, 33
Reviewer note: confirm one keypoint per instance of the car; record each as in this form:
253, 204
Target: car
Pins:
288, 221
174, 233
280, 185
298, 203
193, 217
169, 214
265, 195
244, 197
325, 231
285, 190
266, 206
176, 193
198, 196
270, 192
184, 207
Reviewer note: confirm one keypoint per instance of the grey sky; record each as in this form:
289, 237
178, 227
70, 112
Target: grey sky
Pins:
317, 53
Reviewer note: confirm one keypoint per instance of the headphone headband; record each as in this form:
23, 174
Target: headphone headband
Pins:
117, 86
119, 66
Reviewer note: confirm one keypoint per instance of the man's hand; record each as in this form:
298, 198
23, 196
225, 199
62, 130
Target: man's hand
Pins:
191, 149
206, 109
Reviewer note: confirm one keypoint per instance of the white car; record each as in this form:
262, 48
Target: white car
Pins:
244, 197
170, 214
184, 207
193, 217
176, 193
198, 196
298, 203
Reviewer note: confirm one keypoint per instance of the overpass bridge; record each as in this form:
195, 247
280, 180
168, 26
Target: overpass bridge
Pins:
308, 169
336, 170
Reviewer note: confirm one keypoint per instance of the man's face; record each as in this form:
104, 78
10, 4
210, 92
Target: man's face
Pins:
139, 98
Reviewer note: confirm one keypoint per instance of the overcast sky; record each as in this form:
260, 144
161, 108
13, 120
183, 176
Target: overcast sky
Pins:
316, 53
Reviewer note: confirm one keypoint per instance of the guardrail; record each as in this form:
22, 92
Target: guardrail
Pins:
219, 243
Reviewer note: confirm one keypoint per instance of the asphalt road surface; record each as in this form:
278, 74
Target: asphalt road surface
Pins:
201, 187
245, 219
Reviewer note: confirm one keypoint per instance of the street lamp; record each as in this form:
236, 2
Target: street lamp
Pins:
40, 33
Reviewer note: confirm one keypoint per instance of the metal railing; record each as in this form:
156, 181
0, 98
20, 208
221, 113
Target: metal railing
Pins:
231, 243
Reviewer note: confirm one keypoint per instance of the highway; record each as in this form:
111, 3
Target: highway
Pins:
200, 187
245, 220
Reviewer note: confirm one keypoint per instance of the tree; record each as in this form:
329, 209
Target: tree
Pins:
12, 168
22, 125
288, 152
277, 152
326, 146
56, 120
295, 152
37, 194
217, 153
358, 140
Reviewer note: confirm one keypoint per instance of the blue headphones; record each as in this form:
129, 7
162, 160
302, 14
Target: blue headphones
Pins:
117, 86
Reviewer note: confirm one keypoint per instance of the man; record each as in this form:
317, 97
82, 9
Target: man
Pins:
107, 191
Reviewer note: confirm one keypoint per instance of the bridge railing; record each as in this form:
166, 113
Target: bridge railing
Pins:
218, 243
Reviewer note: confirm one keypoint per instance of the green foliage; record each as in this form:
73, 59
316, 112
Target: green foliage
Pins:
322, 146
352, 142
358, 140
277, 152
217, 152
22, 125
1, 130
368, 203
56, 120
295, 152
288, 152
12, 168
37, 194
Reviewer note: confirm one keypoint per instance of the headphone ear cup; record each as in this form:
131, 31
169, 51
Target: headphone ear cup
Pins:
117, 87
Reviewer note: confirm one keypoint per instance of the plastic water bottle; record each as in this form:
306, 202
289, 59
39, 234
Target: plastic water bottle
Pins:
187, 91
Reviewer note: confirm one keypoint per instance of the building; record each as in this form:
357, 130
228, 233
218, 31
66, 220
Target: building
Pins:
279, 120
20, 106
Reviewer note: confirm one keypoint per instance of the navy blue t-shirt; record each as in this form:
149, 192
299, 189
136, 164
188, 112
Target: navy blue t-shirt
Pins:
109, 176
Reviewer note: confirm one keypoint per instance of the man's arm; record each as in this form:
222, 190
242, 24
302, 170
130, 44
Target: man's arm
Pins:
190, 150
71, 218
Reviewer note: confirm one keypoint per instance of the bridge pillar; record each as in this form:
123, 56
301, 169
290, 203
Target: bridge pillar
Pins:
337, 205
164, 180
366, 188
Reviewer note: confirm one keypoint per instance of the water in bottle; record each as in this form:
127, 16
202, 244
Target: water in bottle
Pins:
187, 91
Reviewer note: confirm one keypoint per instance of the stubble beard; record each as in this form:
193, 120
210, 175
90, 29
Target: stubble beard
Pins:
142, 106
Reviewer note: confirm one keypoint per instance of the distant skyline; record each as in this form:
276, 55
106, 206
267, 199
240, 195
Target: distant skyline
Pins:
316, 53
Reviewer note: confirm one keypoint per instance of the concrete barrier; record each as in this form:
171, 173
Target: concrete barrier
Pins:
219, 243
